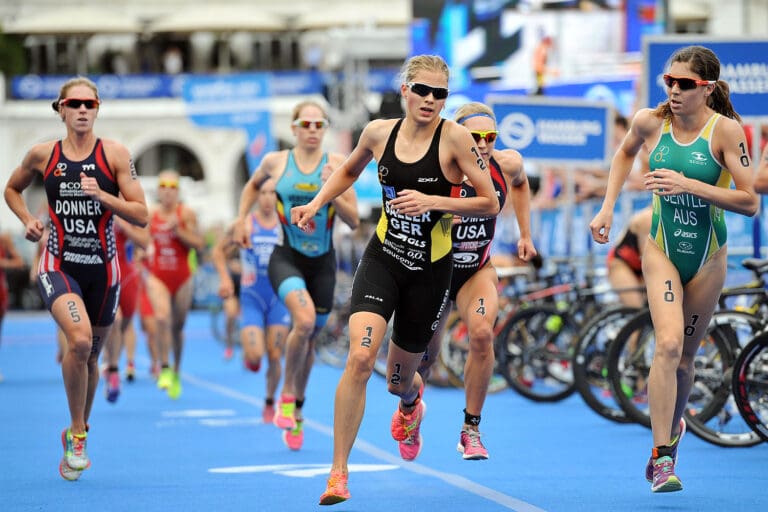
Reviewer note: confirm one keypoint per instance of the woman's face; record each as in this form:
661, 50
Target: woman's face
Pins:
686, 101
483, 130
79, 116
424, 109
310, 127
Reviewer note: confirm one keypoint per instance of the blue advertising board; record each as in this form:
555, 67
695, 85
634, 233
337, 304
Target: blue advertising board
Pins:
233, 101
743, 65
576, 132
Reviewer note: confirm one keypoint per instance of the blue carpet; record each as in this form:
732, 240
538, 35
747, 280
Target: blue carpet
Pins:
209, 450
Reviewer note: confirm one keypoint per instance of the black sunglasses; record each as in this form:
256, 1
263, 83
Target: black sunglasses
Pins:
685, 84
439, 93
77, 103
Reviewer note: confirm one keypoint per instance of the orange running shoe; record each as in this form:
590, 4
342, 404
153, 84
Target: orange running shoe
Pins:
337, 489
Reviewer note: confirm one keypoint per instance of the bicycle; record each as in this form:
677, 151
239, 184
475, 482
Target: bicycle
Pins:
711, 412
750, 384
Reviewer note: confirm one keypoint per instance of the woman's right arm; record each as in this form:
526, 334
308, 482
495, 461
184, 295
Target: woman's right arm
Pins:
643, 123
21, 178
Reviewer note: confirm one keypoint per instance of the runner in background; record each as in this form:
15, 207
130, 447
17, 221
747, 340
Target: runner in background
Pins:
264, 319
133, 239
302, 268
9, 259
174, 231
474, 283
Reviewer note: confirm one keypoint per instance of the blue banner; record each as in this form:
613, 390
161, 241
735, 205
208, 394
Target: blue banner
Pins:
552, 131
233, 101
281, 83
743, 65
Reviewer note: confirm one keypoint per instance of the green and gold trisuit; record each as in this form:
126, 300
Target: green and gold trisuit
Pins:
687, 228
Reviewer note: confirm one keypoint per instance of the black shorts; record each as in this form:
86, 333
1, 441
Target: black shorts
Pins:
416, 297
100, 299
290, 270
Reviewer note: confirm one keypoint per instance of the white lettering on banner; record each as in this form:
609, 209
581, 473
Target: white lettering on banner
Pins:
746, 77
566, 132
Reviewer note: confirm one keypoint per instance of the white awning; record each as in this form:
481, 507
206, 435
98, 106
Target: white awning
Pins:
224, 18
395, 13
74, 20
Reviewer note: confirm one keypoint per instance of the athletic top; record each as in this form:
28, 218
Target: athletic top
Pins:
687, 228
254, 260
414, 241
472, 237
294, 188
81, 230
170, 257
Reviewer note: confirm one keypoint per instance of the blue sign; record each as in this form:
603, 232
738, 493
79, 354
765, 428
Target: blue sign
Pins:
554, 131
743, 66
233, 101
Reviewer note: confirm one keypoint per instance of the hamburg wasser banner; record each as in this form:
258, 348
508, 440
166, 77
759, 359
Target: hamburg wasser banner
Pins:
554, 130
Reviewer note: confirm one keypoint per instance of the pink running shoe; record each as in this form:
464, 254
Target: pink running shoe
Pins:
674, 445
268, 414
337, 489
410, 447
471, 446
286, 406
294, 438
664, 477
113, 386
404, 424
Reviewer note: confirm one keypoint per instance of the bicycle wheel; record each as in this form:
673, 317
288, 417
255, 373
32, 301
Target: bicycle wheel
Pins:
535, 349
454, 349
750, 385
590, 373
720, 422
629, 362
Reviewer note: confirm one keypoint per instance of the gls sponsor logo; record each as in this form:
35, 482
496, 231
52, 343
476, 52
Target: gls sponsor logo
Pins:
685, 234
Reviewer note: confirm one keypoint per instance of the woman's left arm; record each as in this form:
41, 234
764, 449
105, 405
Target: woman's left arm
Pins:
132, 206
511, 163
731, 144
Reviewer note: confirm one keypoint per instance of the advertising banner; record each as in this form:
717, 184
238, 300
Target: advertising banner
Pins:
574, 132
233, 101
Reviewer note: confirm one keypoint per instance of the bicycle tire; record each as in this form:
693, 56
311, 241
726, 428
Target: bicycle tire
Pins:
589, 368
722, 425
750, 384
709, 394
535, 352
